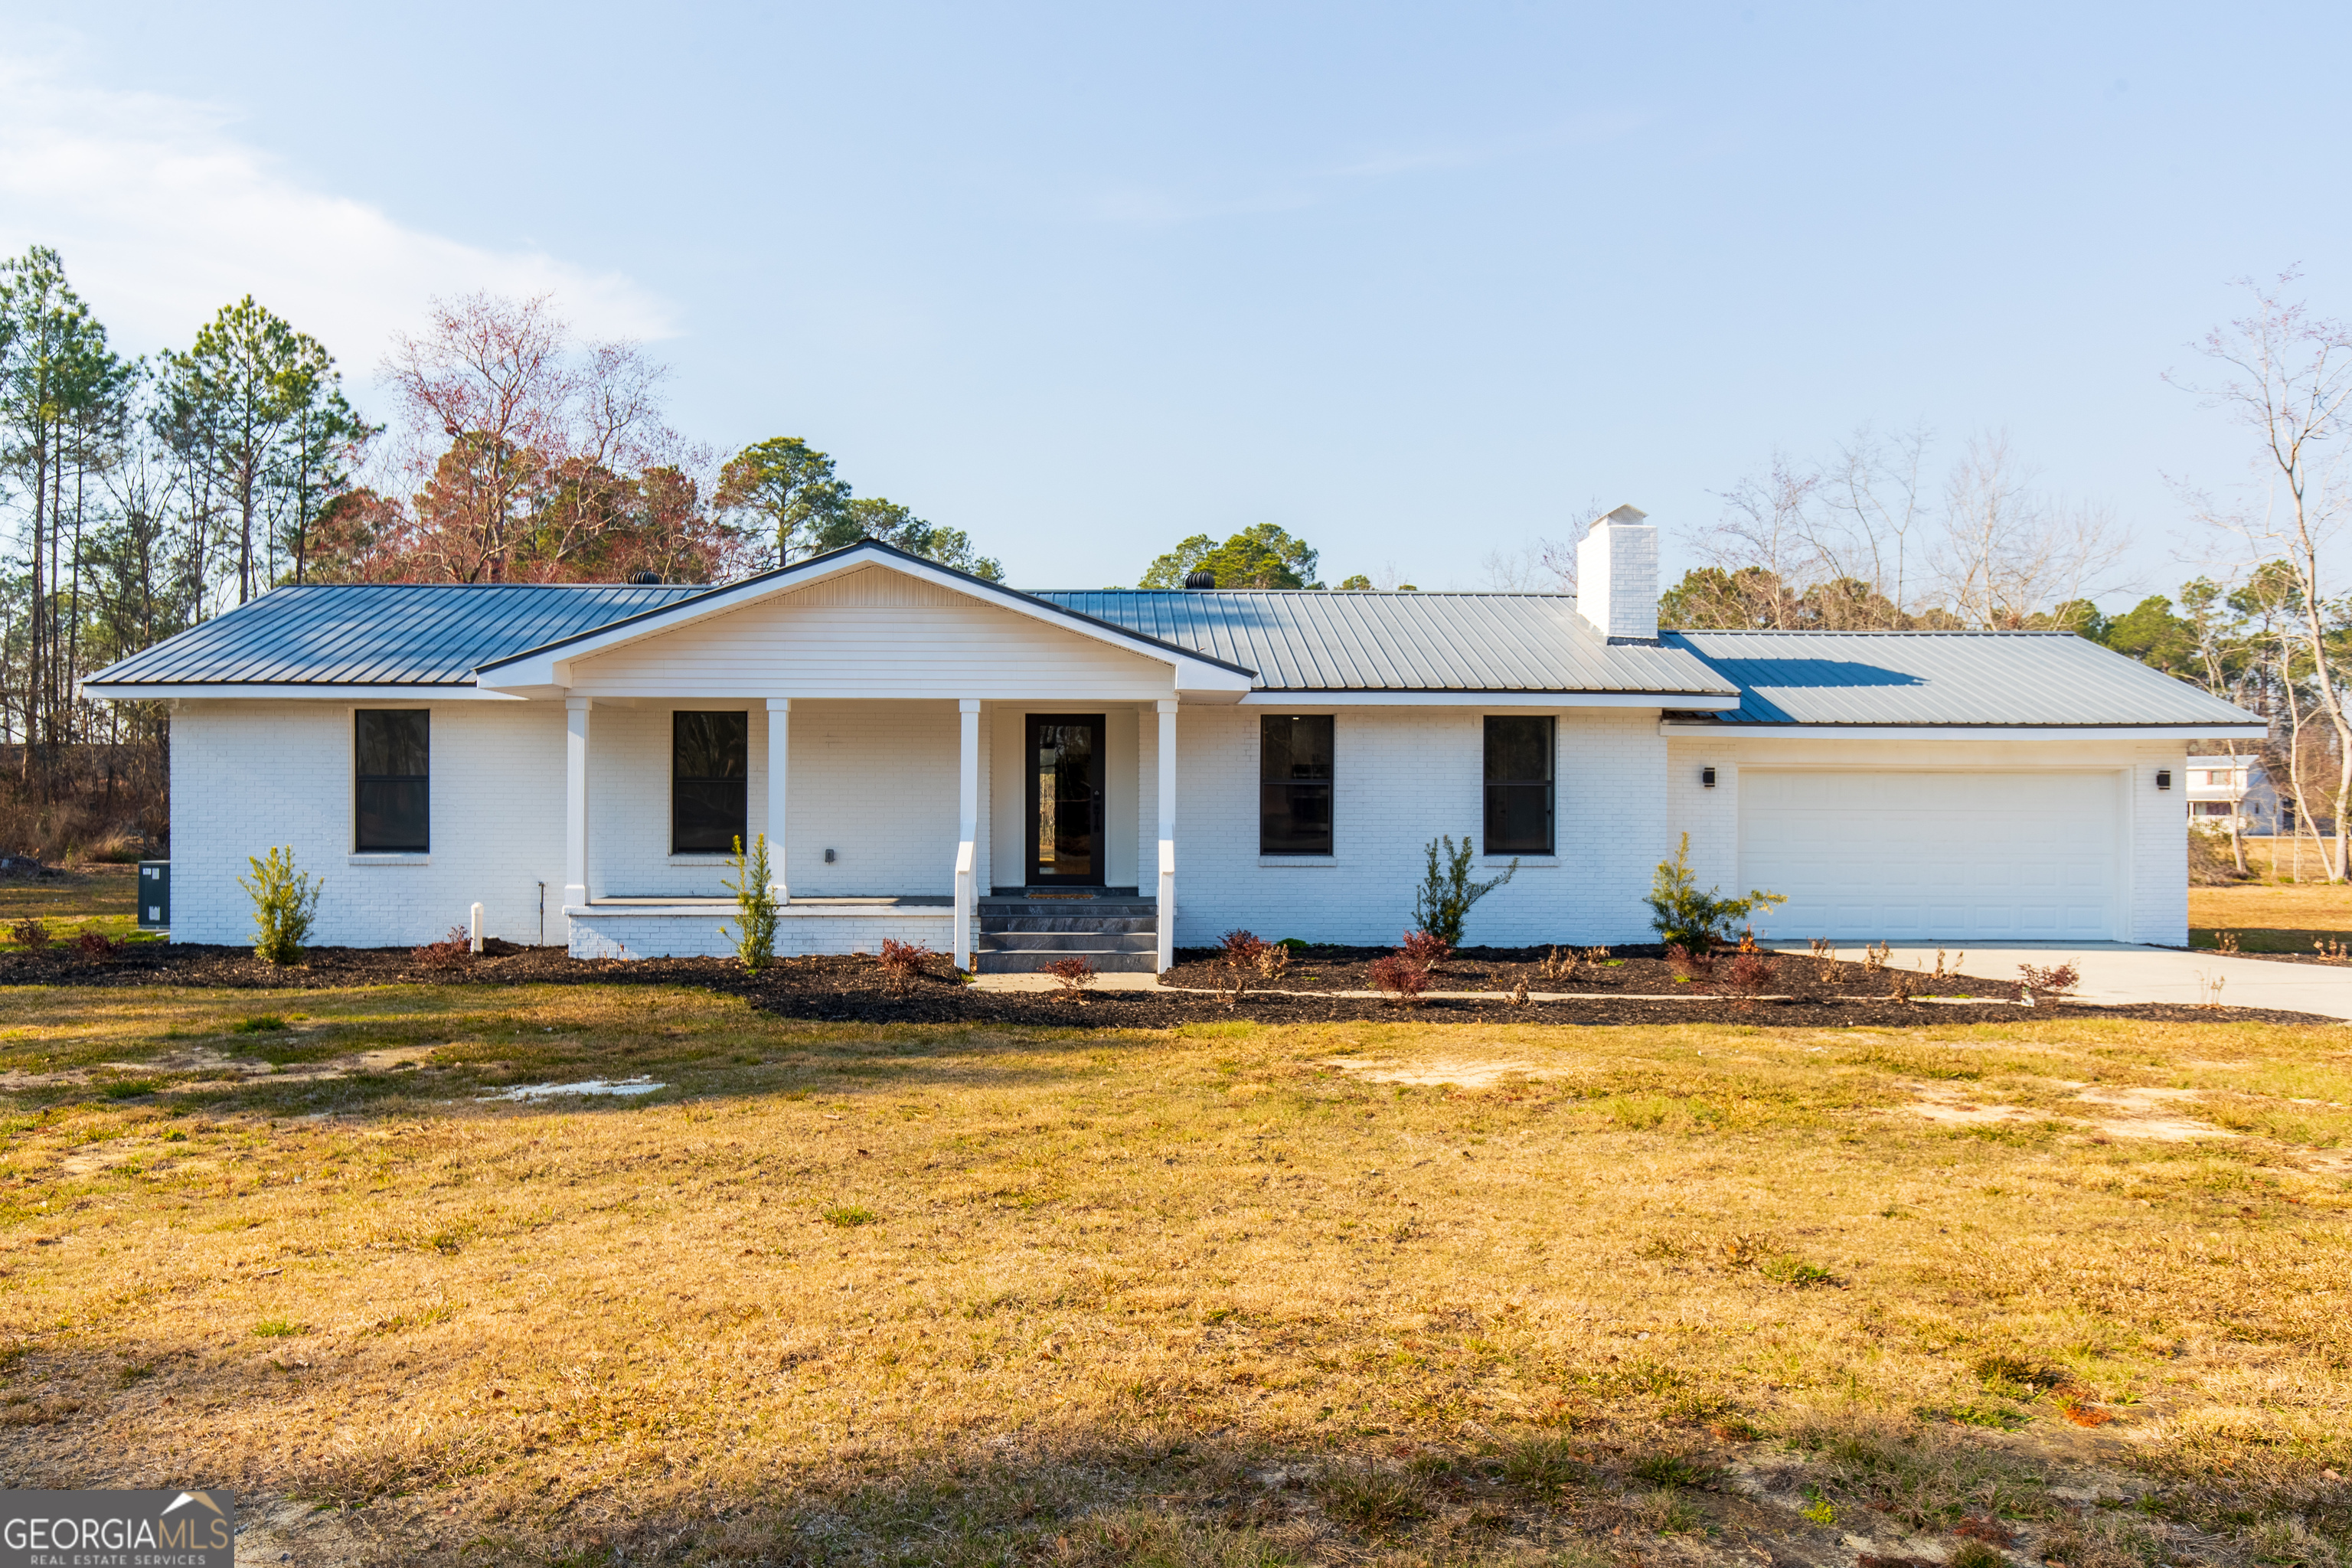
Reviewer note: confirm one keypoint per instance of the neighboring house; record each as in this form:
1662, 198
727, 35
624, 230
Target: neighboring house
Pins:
930, 754
2231, 787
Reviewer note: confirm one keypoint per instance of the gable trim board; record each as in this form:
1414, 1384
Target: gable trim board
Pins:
551, 665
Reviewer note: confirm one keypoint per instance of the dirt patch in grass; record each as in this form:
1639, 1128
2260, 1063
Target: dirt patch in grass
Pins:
853, 988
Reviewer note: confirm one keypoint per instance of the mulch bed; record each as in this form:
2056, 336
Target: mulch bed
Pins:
851, 989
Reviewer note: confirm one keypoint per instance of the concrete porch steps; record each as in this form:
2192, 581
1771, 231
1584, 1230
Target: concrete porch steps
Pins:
1020, 933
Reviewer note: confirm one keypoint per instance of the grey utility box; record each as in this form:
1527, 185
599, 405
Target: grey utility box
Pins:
154, 894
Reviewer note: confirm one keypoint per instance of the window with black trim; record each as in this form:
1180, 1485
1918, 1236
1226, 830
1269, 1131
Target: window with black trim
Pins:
709, 788
1520, 785
1294, 784
392, 803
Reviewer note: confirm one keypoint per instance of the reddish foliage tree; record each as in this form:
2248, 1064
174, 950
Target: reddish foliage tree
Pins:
533, 459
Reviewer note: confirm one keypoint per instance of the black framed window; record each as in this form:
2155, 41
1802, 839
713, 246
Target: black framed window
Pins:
1294, 784
710, 778
1518, 786
392, 751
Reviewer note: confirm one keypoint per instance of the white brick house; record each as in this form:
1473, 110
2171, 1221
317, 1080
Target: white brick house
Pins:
1009, 776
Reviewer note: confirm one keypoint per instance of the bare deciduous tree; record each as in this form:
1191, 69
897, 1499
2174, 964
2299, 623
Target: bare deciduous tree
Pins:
2007, 552
2286, 376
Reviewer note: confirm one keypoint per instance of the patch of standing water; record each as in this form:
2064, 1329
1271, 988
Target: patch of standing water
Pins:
589, 1086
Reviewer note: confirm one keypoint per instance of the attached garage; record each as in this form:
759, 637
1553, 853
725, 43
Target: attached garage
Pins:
1934, 855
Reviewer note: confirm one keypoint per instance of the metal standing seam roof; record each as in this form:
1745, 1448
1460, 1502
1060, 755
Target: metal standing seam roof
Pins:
2009, 678
1309, 640
381, 633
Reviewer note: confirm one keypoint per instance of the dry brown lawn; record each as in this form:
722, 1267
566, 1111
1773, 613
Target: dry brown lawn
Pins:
934, 1295
90, 897
2271, 917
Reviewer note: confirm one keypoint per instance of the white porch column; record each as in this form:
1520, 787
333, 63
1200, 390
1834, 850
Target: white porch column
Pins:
1165, 915
576, 802
780, 747
967, 826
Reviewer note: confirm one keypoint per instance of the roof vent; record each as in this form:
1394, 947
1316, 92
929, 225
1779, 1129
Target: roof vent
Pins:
645, 579
1201, 580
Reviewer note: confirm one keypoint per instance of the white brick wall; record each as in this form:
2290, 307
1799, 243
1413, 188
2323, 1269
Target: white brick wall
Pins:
1402, 777
250, 775
706, 933
877, 780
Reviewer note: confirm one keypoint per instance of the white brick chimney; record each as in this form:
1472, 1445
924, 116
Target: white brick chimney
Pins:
1617, 577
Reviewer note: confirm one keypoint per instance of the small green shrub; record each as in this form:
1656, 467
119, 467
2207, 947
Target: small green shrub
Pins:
259, 1024
1685, 917
1546, 1467
1975, 1554
275, 1329
132, 1088
1446, 890
754, 935
285, 905
1375, 1501
1668, 1471
1796, 1273
847, 1215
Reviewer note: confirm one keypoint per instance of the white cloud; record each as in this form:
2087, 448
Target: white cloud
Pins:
163, 215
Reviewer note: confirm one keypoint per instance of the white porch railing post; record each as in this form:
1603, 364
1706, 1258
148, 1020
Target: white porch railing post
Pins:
967, 826
576, 804
780, 751
1165, 915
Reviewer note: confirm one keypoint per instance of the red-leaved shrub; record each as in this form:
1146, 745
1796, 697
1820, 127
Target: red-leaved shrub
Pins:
901, 962
1403, 978
31, 933
1689, 965
97, 947
1743, 977
452, 952
1075, 973
2054, 981
1245, 958
1424, 948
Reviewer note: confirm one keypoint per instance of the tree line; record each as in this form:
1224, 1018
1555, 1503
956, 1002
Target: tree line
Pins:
142, 495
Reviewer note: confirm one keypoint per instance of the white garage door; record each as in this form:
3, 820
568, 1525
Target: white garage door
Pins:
2025, 855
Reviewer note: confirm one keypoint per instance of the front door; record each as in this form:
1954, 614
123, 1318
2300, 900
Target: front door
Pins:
1065, 798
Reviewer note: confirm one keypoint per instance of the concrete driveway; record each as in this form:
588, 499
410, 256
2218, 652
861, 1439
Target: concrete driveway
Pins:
2120, 971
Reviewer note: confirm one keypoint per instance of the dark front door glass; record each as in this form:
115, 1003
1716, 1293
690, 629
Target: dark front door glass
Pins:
709, 788
1065, 765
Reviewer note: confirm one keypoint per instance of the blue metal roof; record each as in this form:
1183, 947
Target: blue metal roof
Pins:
2026, 679
381, 634
1312, 640
1305, 641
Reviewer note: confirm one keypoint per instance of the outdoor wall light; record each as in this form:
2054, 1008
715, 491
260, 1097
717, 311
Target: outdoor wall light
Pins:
828, 857
2164, 778
1706, 777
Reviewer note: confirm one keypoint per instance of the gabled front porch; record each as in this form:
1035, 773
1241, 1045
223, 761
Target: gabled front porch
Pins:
986, 830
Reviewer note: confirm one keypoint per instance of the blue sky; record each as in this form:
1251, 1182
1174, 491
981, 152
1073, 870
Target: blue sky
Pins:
1415, 283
